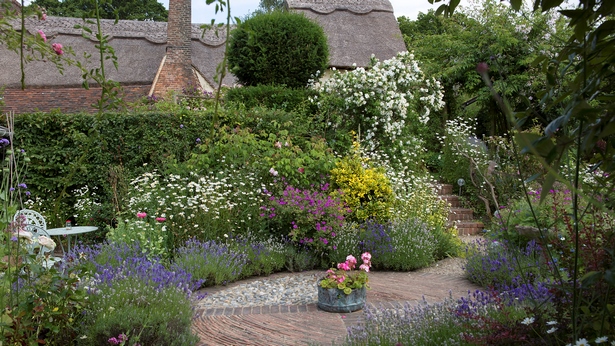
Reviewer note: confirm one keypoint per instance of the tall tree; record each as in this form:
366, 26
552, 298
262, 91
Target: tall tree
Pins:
270, 5
451, 47
109, 9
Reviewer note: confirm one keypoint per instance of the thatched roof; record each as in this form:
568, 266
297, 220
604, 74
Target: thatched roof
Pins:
139, 47
355, 29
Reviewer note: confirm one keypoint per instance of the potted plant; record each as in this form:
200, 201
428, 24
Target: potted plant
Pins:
343, 289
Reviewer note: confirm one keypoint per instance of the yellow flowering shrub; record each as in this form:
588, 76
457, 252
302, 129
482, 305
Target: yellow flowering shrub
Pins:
365, 189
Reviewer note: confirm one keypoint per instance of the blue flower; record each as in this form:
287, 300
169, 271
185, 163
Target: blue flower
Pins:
23, 186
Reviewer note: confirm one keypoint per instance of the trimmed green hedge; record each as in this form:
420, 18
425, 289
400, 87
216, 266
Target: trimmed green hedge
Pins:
274, 97
76, 150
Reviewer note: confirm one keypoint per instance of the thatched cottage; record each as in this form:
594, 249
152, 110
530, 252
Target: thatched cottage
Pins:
156, 57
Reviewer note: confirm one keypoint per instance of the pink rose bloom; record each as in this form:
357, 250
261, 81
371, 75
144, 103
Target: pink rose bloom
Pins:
43, 36
364, 267
301, 169
366, 257
161, 219
57, 47
113, 341
44, 16
341, 279
141, 215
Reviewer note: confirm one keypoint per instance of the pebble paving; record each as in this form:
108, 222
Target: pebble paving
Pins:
305, 324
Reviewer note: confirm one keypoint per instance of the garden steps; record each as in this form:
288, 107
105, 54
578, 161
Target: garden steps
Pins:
463, 218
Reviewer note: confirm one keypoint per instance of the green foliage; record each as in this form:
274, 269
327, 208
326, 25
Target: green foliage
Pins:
263, 257
311, 217
136, 142
413, 245
146, 315
267, 146
151, 236
300, 259
498, 264
364, 188
270, 6
204, 207
346, 241
211, 261
271, 96
282, 48
449, 48
388, 103
422, 203
40, 303
109, 9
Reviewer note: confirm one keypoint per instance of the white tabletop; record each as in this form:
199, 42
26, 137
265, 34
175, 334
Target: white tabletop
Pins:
73, 230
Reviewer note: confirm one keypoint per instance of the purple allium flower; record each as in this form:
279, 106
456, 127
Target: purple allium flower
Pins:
12, 189
23, 186
27, 193
113, 341
198, 140
181, 126
482, 68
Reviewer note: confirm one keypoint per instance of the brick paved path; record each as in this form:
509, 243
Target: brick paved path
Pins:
307, 325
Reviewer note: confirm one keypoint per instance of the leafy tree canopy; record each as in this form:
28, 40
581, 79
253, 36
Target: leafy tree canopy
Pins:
109, 9
451, 47
270, 6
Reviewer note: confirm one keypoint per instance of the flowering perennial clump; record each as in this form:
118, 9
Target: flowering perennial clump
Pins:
345, 277
310, 217
383, 98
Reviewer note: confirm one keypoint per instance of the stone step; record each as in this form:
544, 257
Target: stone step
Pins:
460, 214
445, 189
469, 227
463, 218
452, 200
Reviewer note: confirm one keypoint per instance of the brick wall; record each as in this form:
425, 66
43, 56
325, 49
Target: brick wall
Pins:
67, 100
177, 72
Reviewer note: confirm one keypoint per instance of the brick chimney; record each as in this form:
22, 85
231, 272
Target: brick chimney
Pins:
175, 72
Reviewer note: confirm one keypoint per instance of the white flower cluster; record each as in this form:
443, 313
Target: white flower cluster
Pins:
197, 201
459, 136
382, 99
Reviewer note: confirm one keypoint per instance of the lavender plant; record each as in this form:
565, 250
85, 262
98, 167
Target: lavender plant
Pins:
210, 261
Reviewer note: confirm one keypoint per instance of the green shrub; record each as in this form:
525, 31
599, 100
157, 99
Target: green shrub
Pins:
272, 96
345, 242
422, 203
211, 261
413, 244
146, 315
282, 48
83, 150
151, 236
300, 259
402, 244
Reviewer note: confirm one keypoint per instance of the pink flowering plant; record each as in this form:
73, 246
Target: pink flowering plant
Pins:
309, 217
345, 277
